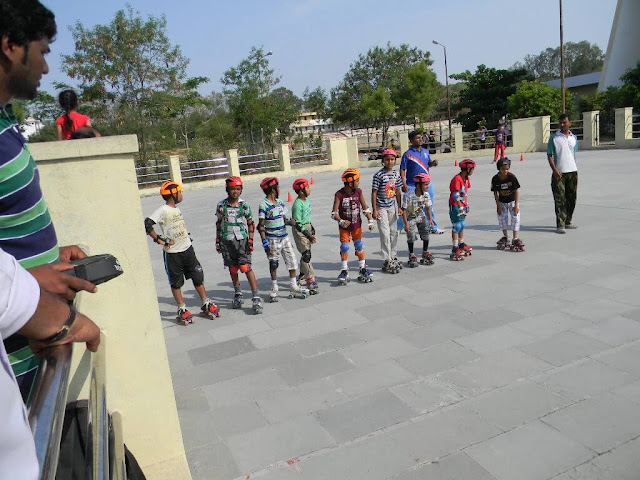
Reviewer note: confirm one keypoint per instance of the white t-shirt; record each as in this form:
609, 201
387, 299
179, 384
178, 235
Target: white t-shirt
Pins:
173, 228
19, 296
563, 148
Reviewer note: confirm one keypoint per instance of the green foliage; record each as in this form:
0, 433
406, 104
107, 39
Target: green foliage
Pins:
485, 94
630, 90
534, 99
417, 94
315, 101
131, 77
378, 109
48, 133
580, 58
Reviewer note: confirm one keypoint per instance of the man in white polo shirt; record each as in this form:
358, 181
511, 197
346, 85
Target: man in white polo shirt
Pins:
561, 153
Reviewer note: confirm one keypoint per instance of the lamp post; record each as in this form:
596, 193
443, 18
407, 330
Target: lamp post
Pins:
446, 78
562, 60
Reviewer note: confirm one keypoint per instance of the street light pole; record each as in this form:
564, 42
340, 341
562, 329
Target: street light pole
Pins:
562, 60
446, 75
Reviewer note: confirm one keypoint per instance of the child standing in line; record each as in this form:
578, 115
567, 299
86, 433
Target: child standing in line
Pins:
416, 210
505, 188
348, 205
234, 240
459, 208
386, 192
180, 259
303, 232
275, 239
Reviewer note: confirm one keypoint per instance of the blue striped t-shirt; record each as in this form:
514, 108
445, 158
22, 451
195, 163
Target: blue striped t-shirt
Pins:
273, 215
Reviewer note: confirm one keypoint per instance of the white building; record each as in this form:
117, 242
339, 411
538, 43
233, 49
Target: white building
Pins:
30, 126
311, 122
623, 51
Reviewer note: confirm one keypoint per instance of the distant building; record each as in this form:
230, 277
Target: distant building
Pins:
580, 85
30, 127
311, 122
623, 51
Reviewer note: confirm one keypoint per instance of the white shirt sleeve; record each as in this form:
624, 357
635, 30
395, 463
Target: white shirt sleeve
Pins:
19, 295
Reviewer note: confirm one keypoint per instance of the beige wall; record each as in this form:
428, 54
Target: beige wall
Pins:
90, 186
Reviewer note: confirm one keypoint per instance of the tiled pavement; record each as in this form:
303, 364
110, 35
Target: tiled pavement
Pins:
506, 366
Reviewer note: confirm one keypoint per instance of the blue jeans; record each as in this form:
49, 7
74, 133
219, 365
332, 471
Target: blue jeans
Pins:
433, 213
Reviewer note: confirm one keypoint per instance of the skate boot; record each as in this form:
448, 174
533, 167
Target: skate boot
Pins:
456, 254
466, 249
398, 262
386, 266
256, 305
427, 258
343, 278
237, 300
273, 296
184, 316
502, 243
517, 245
210, 309
397, 266
365, 275
313, 288
302, 280
413, 260
298, 291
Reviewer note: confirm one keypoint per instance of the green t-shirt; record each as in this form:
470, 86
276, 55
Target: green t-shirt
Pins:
233, 219
301, 212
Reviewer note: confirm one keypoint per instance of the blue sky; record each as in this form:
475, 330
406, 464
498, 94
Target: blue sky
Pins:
314, 41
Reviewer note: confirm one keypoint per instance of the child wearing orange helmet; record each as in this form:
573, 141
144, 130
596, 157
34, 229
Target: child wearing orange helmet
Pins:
459, 208
303, 232
180, 259
348, 205
234, 240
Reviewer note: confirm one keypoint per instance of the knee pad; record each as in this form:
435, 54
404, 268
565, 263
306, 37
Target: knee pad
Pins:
359, 244
246, 268
273, 265
197, 277
233, 269
306, 256
344, 248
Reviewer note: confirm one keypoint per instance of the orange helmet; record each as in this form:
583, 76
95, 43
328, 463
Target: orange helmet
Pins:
170, 188
350, 175
300, 184
268, 182
233, 182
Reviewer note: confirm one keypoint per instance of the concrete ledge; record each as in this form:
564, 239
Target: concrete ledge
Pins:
85, 148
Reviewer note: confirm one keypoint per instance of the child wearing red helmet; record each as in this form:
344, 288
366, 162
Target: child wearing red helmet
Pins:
418, 220
180, 259
386, 194
459, 208
303, 232
234, 240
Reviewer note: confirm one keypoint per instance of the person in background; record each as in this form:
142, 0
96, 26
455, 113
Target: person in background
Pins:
71, 120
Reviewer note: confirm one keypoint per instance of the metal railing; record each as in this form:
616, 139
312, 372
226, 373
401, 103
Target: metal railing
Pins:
576, 127
309, 156
635, 125
155, 174
46, 411
258, 163
204, 169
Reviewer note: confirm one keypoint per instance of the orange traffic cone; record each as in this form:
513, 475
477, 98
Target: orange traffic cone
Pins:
290, 197
455, 164
522, 157
312, 181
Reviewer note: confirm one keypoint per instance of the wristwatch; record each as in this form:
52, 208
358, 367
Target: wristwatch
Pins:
56, 337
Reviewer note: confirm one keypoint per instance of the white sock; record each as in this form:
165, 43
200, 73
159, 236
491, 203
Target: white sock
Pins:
345, 265
274, 284
294, 282
361, 263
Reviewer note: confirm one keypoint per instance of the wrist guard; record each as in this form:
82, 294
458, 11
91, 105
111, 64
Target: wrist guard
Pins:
265, 244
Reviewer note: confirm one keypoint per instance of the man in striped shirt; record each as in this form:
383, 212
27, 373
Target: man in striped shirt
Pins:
26, 230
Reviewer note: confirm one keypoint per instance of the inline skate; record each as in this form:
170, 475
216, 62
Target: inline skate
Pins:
517, 245
503, 243
365, 275
298, 292
343, 278
456, 254
427, 258
184, 316
256, 305
210, 309
413, 260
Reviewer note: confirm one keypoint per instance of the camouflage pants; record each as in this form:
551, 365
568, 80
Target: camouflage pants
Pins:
565, 194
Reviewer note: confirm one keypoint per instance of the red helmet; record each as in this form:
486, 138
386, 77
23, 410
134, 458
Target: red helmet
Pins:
389, 151
467, 163
268, 182
233, 182
422, 178
300, 184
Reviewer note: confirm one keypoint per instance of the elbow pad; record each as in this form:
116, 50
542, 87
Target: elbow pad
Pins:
148, 225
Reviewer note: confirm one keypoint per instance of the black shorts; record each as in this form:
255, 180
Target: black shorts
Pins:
183, 265
234, 252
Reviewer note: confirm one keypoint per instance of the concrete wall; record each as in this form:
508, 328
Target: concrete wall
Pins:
90, 186
624, 129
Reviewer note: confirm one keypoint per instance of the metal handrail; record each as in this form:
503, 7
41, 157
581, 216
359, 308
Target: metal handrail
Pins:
97, 451
46, 407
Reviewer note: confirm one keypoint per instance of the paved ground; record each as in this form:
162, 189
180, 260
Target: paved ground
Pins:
507, 365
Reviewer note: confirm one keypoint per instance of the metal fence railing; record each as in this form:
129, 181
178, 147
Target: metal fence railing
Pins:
576, 127
635, 125
309, 156
204, 169
486, 139
258, 163
154, 173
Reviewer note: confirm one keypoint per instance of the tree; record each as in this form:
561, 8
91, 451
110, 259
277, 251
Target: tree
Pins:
285, 107
580, 58
534, 99
387, 68
130, 73
315, 100
378, 109
418, 94
485, 94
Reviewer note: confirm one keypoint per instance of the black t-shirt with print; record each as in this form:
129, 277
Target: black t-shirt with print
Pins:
506, 188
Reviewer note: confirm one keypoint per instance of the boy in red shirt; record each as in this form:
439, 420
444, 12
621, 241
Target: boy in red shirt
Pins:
459, 208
